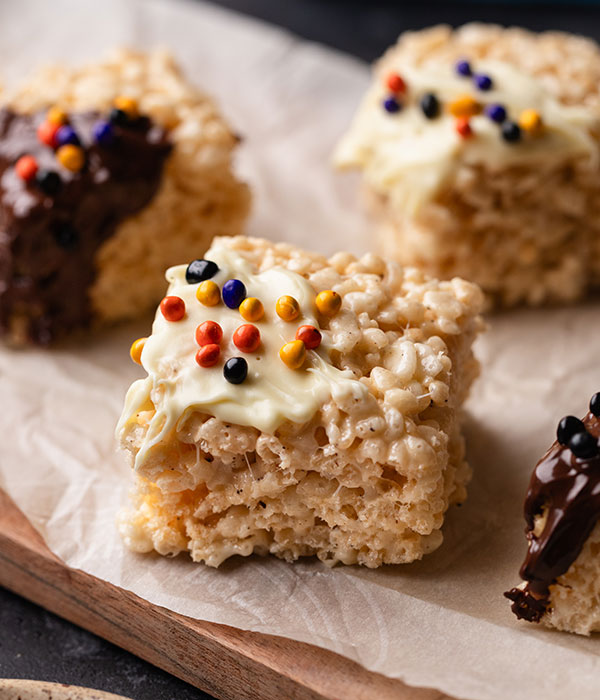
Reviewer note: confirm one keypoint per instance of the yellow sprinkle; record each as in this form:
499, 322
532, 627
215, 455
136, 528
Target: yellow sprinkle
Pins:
328, 302
530, 121
208, 293
251, 309
71, 157
293, 354
464, 106
287, 308
136, 350
127, 105
56, 116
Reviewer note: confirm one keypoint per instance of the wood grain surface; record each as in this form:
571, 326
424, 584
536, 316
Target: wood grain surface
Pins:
226, 662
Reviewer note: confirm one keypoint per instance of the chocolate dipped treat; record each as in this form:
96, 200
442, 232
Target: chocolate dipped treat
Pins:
562, 509
96, 165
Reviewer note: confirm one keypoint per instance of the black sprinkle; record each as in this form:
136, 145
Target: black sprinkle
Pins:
583, 445
568, 426
200, 270
49, 181
66, 237
511, 132
430, 105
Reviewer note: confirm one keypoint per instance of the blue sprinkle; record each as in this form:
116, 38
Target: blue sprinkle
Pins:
104, 134
496, 113
391, 105
234, 293
463, 68
483, 82
65, 135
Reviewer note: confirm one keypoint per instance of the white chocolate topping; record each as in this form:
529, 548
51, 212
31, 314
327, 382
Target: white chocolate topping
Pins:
409, 158
271, 394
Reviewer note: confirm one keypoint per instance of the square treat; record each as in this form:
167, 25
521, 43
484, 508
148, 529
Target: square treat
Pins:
479, 155
96, 165
561, 582
299, 406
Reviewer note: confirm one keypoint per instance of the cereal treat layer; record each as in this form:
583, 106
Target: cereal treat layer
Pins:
97, 164
561, 585
339, 438
479, 154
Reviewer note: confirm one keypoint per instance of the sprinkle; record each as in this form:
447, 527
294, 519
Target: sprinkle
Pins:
595, 405
483, 82
135, 351
246, 337
56, 116
208, 293
463, 127
328, 302
583, 445
118, 117
26, 167
235, 370
463, 68
395, 83
209, 333
65, 135
251, 309
496, 113
200, 270
287, 308
46, 133
293, 354
208, 355
530, 121
71, 157
511, 132
234, 293
567, 427
391, 105
66, 236
430, 105
48, 181
104, 134
127, 105
310, 336
464, 106
173, 308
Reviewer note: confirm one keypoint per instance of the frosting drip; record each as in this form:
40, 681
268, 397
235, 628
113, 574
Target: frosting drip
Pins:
272, 392
408, 158
561, 509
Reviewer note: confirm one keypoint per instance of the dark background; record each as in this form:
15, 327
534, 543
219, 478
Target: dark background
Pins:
36, 644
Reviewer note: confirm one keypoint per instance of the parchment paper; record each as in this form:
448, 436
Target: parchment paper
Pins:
442, 622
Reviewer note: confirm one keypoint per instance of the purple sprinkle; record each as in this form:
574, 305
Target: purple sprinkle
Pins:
233, 293
496, 113
391, 105
463, 68
103, 133
66, 134
483, 82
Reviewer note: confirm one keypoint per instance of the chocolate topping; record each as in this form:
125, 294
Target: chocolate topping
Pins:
561, 509
49, 236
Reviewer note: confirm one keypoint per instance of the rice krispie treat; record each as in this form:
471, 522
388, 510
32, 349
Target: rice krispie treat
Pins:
479, 152
299, 406
561, 571
96, 165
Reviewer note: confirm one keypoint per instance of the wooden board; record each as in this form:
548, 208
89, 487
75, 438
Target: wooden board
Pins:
226, 662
